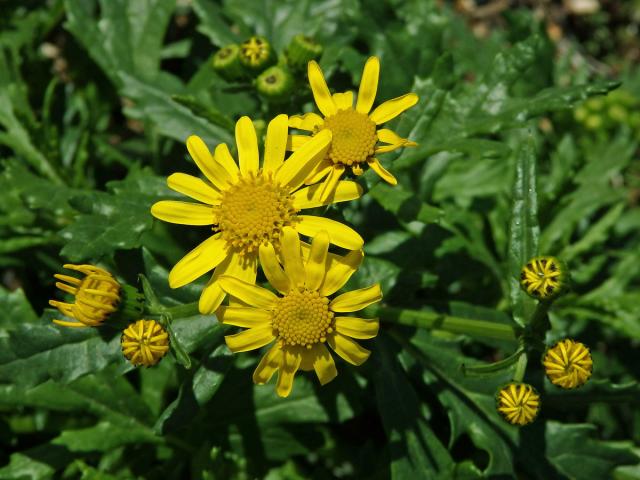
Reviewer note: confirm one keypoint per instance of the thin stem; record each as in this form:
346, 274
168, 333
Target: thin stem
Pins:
438, 321
185, 310
521, 368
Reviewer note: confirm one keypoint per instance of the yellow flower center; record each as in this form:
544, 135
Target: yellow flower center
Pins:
253, 212
302, 318
354, 137
255, 50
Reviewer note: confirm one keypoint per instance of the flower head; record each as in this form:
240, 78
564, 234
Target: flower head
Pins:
144, 342
97, 295
302, 319
256, 53
568, 364
543, 277
355, 131
248, 205
518, 403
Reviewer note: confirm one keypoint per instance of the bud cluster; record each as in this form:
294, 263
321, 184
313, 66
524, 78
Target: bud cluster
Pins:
270, 73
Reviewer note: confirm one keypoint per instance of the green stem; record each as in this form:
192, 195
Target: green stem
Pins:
521, 368
182, 311
438, 321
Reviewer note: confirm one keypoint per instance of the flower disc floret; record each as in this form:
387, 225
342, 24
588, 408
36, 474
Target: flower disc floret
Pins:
354, 137
253, 212
144, 342
518, 403
302, 318
97, 295
568, 364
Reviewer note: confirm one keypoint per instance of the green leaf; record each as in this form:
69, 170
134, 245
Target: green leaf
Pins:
212, 25
403, 204
113, 221
414, 449
572, 449
196, 391
524, 229
15, 309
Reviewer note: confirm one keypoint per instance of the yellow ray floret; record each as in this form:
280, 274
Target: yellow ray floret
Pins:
97, 295
518, 403
568, 364
144, 342
248, 205
356, 138
302, 319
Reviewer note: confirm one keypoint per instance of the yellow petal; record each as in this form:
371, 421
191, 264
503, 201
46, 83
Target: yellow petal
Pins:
330, 183
242, 268
368, 85
272, 269
339, 271
323, 363
294, 142
183, 213
382, 172
206, 163
310, 122
392, 108
389, 136
275, 144
250, 339
247, 143
197, 262
321, 94
356, 299
243, 316
224, 158
290, 249
301, 163
319, 172
348, 349
270, 362
339, 234
343, 101
193, 187
362, 328
287, 372
309, 197
387, 148
250, 294
316, 262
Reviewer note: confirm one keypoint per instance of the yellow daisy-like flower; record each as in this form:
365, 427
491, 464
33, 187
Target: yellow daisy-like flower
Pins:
543, 277
144, 342
303, 318
249, 205
97, 295
355, 130
568, 364
518, 403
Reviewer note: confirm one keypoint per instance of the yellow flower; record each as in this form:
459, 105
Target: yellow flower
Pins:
543, 277
518, 403
144, 342
97, 295
568, 364
303, 318
355, 131
249, 206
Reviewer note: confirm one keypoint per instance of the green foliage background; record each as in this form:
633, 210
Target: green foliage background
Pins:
96, 100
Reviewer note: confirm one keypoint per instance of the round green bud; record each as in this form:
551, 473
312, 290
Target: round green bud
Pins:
595, 104
617, 113
275, 84
302, 50
256, 54
581, 114
226, 62
593, 122
544, 278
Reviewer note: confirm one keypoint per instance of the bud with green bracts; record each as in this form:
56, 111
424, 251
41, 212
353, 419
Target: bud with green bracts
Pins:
275, 84
301, 51
256, 54
226, 62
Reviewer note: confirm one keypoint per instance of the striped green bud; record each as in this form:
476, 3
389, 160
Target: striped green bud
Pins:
226, 62
302, 50
256, 54
275, 84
